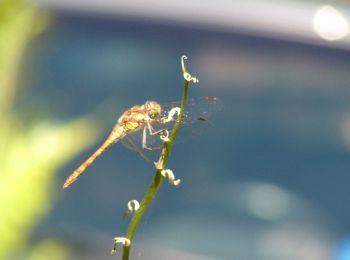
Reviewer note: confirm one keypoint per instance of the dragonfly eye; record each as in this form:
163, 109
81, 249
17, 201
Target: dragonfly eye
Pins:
153, 115
153, 109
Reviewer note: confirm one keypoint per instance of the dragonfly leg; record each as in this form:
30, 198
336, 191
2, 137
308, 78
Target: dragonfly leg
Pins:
162, 132
144, 139
152, 132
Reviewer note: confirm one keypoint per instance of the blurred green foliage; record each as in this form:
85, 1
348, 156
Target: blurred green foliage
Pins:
31, 153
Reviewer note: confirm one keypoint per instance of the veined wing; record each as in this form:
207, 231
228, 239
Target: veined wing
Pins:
196, 120
197, 109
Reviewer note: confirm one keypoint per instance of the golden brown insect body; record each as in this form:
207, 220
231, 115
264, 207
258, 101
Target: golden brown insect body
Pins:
134, 119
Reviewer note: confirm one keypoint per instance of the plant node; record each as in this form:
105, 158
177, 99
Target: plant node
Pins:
117, 240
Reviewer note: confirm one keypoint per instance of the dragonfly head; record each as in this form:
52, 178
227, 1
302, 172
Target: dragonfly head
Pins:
153, 109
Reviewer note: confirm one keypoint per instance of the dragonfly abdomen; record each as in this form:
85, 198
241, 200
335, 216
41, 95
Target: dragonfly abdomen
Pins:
117, 133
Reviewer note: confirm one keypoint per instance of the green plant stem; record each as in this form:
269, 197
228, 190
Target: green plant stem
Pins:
158, 178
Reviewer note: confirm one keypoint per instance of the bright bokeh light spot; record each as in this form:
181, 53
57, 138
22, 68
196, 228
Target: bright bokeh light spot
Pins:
330, 24
268, 202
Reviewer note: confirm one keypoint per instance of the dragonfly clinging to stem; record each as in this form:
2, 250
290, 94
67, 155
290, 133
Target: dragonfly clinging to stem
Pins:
151, 119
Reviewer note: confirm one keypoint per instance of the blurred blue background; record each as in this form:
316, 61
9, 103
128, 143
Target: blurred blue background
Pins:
268, 180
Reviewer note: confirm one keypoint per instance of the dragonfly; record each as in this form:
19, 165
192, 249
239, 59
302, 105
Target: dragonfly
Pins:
141, 126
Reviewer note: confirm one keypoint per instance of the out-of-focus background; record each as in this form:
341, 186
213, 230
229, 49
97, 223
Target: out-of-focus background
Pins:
269, 180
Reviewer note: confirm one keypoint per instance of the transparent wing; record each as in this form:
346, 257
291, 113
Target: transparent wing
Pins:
196, 121
197, 109
134, 144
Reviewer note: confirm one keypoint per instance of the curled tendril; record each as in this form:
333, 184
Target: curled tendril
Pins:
123, 240
171, 114
133, 205
171, 177
165, 136
188, 77
165, 133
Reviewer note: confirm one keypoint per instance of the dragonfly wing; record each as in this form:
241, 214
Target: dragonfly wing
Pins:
195, 122
196, 117
197, 109
130, 143
133, 141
